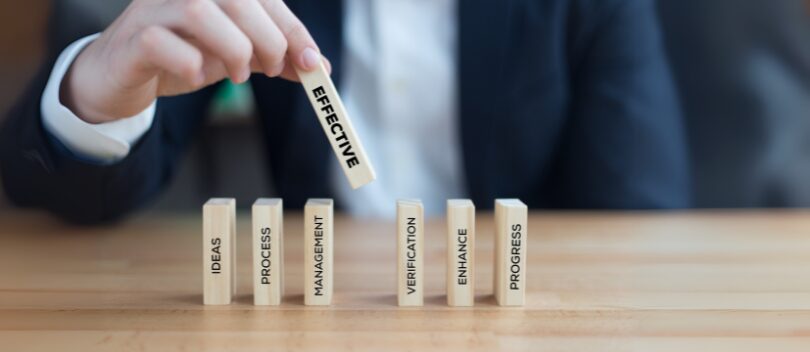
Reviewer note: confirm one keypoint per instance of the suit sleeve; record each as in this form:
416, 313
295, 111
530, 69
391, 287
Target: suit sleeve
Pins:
625, 145
38, 171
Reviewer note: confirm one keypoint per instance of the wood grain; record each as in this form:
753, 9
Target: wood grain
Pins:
219, 251
461, 263
319, 258
338, 127
267, 217
410, 239
509, 269
706, 281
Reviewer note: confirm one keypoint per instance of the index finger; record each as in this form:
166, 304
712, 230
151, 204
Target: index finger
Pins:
301, 48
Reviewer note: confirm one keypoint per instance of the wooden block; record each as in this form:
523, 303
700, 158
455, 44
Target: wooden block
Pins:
268, 251
318, 269
510, 252
337, 126
233, 247
460, 252
219, 251
410, 244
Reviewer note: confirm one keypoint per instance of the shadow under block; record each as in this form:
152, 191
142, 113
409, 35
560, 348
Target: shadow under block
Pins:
337, 126
509, 272
268, 251
410, 244
318, 258
219, 251
460, 252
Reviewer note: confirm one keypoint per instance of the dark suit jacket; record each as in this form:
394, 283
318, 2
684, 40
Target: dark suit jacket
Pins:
564, 104
743, 69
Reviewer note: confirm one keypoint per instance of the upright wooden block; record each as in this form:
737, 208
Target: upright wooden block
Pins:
219, 251
410, 244
337, 126
510, 252
268, 251
318, 260
460, 252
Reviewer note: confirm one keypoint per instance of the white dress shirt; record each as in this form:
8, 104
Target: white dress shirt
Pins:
105, 142
399, 87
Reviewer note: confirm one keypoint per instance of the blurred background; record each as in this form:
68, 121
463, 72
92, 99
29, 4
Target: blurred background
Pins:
742, 69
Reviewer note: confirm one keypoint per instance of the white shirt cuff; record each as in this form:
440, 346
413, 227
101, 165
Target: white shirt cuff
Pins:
105, 142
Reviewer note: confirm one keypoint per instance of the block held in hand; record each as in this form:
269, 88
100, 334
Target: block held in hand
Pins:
337, 126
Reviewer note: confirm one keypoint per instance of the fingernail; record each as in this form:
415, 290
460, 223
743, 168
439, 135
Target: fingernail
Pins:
199, 79
328, 65
276, 70
311, 59
244, 75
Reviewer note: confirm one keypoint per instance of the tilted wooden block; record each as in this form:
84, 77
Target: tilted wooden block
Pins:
410, 244
318, 259
219, 251
337, 126
460, 252
268, 251
510, 252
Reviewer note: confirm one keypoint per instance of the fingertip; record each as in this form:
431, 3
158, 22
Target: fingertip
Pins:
199, 79
242, 76
310, 59
289, 74
328, 65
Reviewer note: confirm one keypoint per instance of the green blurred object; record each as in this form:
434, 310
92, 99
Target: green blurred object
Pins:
233, 100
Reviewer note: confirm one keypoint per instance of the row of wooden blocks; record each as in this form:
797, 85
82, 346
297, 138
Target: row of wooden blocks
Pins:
219, 252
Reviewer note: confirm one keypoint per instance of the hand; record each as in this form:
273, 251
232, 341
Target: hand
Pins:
169, 47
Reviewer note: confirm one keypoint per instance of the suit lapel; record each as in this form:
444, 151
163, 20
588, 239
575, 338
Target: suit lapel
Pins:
324, 19
482, 43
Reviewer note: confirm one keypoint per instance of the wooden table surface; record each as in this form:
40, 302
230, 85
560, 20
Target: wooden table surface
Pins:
703, 281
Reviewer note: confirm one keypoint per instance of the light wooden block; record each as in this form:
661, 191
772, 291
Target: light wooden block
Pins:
510, 252
410, 244
460, 253
337, 126
219, 251
268, 251
318, 258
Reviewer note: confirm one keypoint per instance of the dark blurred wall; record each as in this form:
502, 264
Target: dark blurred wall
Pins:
743, 71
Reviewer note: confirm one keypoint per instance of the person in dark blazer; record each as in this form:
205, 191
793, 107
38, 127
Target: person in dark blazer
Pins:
563, 104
